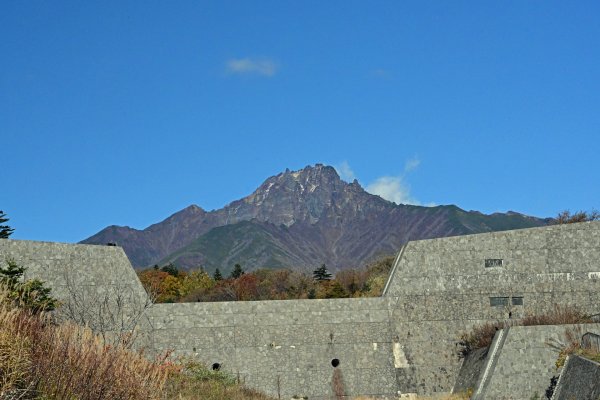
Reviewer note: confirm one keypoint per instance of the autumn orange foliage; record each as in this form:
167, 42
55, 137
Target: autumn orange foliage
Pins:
168, 284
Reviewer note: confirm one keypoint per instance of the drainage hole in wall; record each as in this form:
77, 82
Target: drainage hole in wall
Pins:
335, 362
216, 366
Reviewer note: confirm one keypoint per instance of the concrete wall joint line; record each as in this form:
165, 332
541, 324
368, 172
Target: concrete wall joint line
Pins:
392, 273
560, 377
489, 368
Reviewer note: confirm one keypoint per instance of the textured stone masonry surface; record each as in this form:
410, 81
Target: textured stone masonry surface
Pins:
404, 342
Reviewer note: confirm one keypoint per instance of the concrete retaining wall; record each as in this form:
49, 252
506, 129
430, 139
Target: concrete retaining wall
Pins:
527, 361
580, 379
404, 342
285, 348
442, 288
67, 266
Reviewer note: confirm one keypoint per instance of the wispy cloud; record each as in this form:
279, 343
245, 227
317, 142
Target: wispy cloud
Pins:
252, 66
395, 188
345, 171
392, 188
411, 164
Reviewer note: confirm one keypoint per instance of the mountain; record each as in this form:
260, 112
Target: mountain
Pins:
298, 219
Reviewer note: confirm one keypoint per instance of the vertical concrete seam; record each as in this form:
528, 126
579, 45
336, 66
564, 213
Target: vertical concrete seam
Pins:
560, 377
392, 273
491, 365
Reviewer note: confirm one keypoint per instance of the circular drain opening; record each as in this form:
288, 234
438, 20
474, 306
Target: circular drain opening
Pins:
216, 366
335, 362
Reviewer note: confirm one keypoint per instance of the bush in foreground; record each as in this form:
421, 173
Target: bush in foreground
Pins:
40, 359
482, 335
192, 380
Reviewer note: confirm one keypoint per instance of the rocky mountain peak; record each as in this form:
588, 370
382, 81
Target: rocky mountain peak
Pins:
293, 196
307, 182
325, 220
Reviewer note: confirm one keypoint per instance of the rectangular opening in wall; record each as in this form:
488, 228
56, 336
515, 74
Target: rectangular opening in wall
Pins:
517, 301
498, 301
493, 262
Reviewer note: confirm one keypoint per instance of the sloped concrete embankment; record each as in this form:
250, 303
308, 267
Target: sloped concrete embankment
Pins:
580, 379
521, 362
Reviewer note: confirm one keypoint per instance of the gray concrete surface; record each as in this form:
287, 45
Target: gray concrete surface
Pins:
401, 343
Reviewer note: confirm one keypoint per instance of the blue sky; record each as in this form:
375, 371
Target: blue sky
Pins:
125, 112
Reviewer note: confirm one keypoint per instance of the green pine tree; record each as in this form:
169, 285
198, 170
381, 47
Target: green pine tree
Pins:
217, 275
5, 230
237, 271
170, 269
11, 275
31, 294
321, 274
336, 291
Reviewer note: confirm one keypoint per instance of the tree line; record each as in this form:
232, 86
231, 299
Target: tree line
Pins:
168, 284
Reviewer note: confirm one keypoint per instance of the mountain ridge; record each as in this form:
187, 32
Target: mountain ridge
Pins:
298, 219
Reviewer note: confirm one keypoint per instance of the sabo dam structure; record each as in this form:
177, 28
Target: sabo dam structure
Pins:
399, 345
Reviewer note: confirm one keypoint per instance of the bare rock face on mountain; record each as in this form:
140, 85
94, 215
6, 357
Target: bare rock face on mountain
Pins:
298, 219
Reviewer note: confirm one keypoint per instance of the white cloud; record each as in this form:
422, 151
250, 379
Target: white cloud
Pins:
411, 164
392, 188
395, 188
252, 66
345, 171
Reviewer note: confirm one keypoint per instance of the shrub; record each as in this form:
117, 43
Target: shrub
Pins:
44, 360
196, 381
31, 294
41, 359
566, 217
69, 361
558, 316
482, 335
15, 348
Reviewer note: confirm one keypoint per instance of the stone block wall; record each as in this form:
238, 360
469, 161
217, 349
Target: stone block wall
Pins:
580, 379
527, 360
96, 269
403, 342
96, 285
286, 347
440, 288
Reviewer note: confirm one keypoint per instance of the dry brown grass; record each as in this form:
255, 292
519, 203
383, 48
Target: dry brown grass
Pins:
558, 316
479, 337
212, 390
66, 361
455, 396
44, 360
14, 352
573, 344
482, 335
447, 396
191, 380
566, 217
71, 362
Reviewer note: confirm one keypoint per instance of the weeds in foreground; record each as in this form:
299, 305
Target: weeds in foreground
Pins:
558, 316
482, 335
446, 396
40, 359
573, 345
454, 396
194, 381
